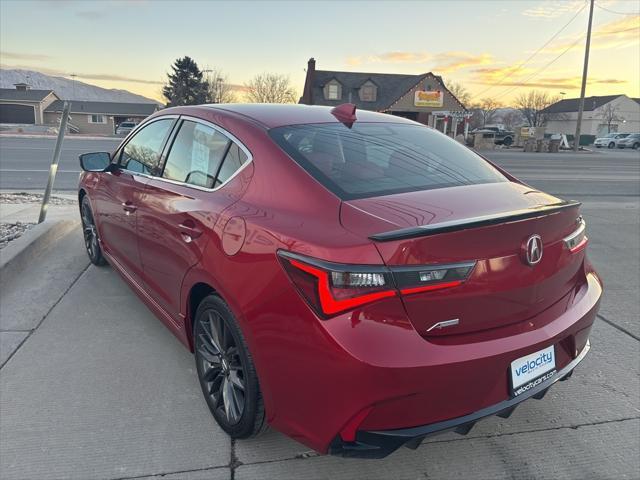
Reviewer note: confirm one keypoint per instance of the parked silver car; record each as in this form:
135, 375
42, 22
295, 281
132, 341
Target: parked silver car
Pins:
632, 141
610, 140
125, 128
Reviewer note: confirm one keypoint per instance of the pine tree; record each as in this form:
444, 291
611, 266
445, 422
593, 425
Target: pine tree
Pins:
185, 85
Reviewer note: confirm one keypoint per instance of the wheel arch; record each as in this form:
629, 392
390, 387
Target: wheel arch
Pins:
197, 293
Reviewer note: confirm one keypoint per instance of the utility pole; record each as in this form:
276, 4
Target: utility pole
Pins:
576, 140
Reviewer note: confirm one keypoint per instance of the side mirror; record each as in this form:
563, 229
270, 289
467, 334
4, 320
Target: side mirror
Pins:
95, 161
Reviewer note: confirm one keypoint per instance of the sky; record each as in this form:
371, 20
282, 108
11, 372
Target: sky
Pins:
495, 49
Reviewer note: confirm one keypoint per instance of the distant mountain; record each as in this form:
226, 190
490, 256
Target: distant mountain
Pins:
68, 89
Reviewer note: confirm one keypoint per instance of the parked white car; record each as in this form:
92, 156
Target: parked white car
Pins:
610, 140
630, 141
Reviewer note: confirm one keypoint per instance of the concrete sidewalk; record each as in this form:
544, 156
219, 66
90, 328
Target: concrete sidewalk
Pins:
101, 389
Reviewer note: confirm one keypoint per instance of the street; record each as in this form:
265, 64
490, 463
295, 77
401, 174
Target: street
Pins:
101, 389
24, 162
24, 165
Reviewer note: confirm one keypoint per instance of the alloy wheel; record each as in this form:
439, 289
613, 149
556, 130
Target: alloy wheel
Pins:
90, 232
221, 366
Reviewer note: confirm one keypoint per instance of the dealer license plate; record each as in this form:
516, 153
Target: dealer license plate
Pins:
530, 371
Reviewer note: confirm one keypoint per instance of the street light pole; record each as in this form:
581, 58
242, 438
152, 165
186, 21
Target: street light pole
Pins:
576, 140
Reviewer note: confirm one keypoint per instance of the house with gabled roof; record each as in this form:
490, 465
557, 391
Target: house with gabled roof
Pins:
602, 114
23, 105
423, 98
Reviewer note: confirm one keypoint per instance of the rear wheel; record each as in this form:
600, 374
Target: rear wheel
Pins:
226, 372
90, 232
507, 141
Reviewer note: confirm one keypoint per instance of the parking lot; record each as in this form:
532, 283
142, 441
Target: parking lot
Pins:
99, 388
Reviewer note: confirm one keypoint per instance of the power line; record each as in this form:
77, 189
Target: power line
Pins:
617, 13
538, 72
522, 64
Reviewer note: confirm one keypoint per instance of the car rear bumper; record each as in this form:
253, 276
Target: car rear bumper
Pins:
379, 444
365, 382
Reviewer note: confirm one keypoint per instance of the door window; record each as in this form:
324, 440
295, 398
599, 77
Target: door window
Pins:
232, 162
196, 155
142, 153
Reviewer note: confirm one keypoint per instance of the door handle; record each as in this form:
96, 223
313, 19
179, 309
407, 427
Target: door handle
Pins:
188, 229
129, 207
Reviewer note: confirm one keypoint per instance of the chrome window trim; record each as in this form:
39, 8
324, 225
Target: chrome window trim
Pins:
224, 132
171, 139
118, 153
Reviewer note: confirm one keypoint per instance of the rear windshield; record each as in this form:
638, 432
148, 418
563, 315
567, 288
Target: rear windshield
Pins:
374, 159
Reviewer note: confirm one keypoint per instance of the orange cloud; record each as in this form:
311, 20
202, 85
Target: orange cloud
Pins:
620, 33
451, 61
493, 75
445, 62
553, 9
390, 57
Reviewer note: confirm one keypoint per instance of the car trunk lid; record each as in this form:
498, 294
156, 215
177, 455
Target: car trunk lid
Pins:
488, 224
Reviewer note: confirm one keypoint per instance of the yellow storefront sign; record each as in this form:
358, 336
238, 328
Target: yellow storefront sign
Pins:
431, 98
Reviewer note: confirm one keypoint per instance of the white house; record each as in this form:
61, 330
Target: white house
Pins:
624, 113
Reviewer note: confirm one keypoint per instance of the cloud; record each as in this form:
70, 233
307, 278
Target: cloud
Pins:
493, 75
23, 56
445, 62
451, 61
565, 83
83, 76
620, 33
553, 9
91, 14
390, 57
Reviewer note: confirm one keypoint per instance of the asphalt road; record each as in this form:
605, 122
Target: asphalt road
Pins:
24, 164
100, 389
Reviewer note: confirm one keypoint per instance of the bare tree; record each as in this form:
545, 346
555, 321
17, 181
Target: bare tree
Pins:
218, 88
609, 114
484, 112
459, 91
512, 119
270, 88
532, 105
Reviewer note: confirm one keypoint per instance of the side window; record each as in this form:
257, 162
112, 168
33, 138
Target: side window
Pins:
196, 155
142, 153
232, 162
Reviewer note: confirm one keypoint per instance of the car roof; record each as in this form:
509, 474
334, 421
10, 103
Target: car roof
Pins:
277, 115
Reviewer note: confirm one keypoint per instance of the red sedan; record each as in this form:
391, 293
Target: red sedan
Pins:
356, 280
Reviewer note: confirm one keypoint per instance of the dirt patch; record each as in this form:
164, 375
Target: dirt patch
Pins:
24, 197
11, 231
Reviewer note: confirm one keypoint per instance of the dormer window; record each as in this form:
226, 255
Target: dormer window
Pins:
333, 90
368, 92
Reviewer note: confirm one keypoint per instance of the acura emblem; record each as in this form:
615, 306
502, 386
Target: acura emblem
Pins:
533, 250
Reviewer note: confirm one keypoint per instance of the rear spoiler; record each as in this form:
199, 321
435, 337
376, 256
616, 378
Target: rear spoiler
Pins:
474, 222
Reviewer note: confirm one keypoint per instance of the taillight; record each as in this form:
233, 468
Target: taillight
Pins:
331, 288
578, 239
431, 277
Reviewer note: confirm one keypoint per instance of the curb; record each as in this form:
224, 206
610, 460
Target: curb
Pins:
20, 252
54, 136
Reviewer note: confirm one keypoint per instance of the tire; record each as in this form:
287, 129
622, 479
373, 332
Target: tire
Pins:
226, 371
636, 146
90, 233
507, 141
611, 145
